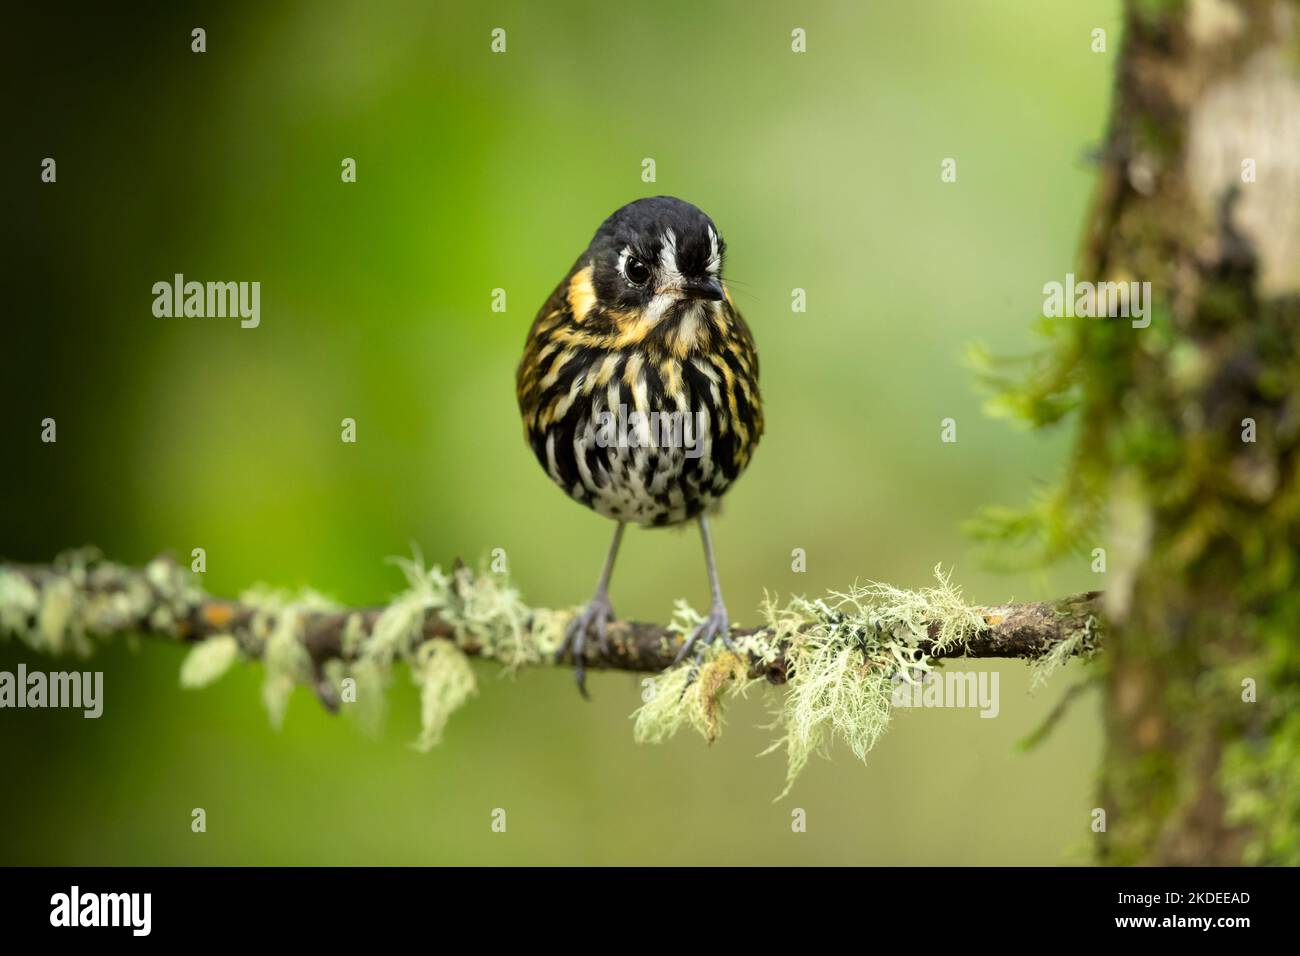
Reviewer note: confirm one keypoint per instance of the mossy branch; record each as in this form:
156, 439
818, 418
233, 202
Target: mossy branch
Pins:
840, 655
161, 600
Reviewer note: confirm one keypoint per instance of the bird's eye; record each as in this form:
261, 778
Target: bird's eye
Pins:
637, 272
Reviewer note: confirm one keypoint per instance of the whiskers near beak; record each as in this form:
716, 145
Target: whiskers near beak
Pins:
707, 290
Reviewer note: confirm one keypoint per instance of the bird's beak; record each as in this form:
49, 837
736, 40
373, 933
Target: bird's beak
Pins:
709, 290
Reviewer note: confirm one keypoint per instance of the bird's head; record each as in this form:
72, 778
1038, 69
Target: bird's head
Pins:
657, 259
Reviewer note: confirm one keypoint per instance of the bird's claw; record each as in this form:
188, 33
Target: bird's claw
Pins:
600, 612
712, 628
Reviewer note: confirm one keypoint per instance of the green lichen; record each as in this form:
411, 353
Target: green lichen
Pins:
1043, 668
286, 664
58, 623
396, 634
484, 613
87, 597
446, 681
208, 660
20, 603
483, 610
691, 696
276, 637
842, 656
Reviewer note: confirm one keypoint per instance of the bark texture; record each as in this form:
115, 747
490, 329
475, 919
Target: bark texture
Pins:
1192, 429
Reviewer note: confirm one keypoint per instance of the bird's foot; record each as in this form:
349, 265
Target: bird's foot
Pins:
712, 628
600, 612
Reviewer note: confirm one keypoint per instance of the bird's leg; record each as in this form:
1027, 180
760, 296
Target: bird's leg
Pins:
715, 625
598, 611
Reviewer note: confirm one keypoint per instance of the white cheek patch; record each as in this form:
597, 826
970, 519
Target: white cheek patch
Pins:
715, 257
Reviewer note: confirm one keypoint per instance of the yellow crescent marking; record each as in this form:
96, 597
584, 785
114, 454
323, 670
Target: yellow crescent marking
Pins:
582, 294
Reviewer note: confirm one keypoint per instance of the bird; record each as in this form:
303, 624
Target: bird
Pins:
638, 390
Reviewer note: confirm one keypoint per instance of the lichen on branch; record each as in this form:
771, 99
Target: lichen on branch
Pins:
843, 658
839, 657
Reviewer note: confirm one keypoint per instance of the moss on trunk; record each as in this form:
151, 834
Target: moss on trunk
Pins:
1188, 451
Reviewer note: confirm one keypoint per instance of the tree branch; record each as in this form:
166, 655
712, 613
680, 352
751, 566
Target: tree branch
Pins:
163, 601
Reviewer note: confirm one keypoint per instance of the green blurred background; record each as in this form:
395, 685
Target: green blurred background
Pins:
478, 171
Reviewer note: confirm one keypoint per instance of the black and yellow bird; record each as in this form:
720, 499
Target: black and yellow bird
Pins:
639, 389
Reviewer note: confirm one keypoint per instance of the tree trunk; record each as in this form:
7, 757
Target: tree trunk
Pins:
1192, 427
